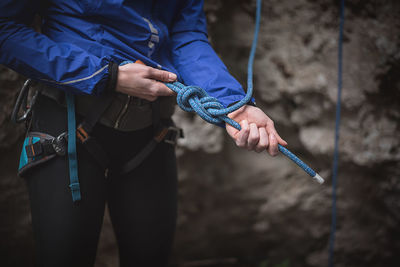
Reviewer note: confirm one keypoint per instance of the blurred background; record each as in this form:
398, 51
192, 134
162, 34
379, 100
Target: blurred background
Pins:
238, 208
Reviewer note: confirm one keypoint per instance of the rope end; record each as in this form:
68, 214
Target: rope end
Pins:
318, 178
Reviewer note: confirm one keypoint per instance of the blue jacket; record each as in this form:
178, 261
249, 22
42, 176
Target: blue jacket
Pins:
80, 38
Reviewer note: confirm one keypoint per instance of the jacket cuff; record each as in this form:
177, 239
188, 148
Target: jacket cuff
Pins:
112, 78
251, 102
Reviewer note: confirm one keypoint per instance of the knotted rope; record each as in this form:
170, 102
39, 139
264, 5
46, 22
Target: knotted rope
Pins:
195, 99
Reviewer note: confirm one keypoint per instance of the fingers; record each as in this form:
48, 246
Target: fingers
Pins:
249, 136
271, 130
253, 138
160, 75
273, 145
259, 134
280, 140
143, 82
278, 137
263, 143
243, 134
159, 89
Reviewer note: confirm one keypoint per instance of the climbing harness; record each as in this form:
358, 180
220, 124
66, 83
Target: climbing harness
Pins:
164, 131
337, 128
41, 147
195, 99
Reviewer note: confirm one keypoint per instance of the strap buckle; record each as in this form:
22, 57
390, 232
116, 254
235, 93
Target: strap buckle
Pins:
161, 135
60, 143
173, 134
33, 150
82, 134
169, 135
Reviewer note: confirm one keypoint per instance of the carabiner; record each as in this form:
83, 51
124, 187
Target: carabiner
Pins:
22, 102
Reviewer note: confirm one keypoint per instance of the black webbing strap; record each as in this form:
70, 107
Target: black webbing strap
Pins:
149, 147
97, 152
141, 156
167, 133
84, 130
163, 131
41, 148
96, 111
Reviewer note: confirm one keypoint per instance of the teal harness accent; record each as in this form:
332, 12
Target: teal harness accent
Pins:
72, 158
23, 160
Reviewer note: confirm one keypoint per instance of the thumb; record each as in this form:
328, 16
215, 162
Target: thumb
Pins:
233, 132
161, 75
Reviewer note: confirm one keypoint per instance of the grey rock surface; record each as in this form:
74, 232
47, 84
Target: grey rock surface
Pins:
239, 208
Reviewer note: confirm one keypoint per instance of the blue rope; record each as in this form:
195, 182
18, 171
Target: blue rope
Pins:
195, 99
337, 125
72, 158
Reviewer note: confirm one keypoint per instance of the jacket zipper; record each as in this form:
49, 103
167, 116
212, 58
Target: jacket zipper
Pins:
128, 101
123, 112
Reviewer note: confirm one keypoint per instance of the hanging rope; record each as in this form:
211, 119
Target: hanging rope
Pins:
337, 125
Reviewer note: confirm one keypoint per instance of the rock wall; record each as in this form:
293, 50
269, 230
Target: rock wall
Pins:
239, 208
254, 208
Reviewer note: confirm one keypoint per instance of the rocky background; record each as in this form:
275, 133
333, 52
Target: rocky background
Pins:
245, 209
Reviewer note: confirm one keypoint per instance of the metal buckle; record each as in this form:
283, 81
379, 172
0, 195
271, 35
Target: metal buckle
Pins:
173, 138
60, 143
81, 133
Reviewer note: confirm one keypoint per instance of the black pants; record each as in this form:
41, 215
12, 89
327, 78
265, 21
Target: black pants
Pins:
142, 204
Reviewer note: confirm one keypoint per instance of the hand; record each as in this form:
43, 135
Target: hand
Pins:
258, 132
145, 82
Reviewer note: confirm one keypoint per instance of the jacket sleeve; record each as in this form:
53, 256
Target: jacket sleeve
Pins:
36, 56
195, 59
